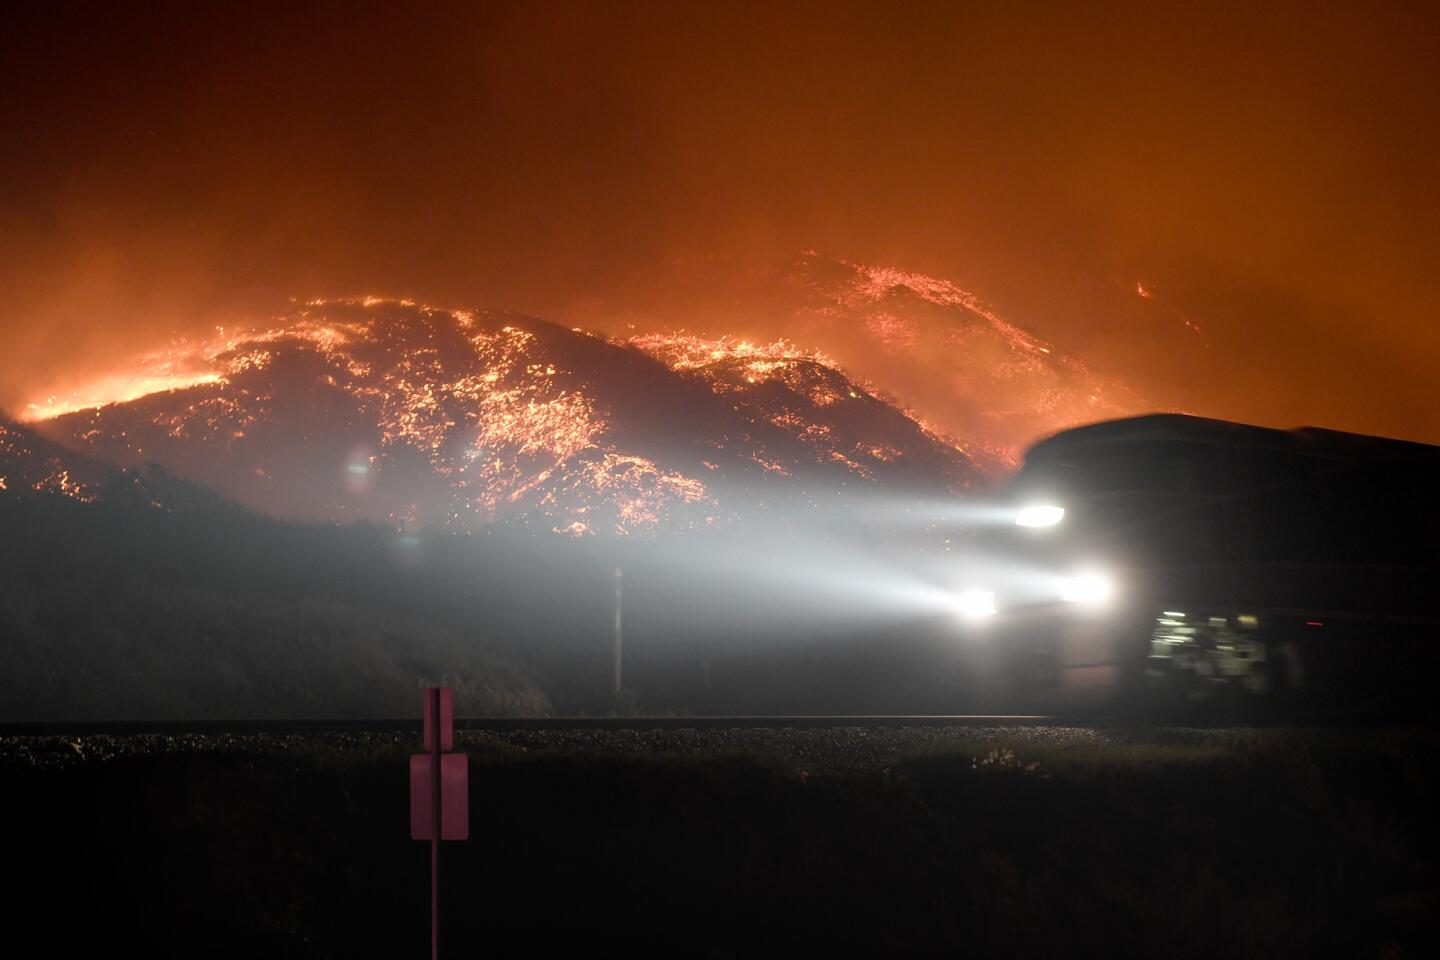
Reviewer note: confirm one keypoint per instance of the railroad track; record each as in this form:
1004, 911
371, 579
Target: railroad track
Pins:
505, 724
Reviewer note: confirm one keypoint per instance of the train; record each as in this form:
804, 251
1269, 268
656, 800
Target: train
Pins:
1169, 559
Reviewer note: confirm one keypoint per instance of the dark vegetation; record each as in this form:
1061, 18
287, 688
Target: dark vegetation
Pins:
118, 609
1167, 843
163, 600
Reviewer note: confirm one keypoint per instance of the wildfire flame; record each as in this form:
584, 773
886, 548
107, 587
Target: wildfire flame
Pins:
680, 351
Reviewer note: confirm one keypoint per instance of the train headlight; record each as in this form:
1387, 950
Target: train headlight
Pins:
1039, 515
1091, 588
975, 604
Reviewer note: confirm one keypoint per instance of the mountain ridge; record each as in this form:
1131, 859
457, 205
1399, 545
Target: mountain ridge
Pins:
418, 416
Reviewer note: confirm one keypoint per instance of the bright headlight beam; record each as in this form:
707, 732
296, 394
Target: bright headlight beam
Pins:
975, 603
1039, 515
1086, 588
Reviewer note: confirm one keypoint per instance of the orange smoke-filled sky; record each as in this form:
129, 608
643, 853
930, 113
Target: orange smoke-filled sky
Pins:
1266, 177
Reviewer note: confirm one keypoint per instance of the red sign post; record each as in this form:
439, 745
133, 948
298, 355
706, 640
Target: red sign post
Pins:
439, 794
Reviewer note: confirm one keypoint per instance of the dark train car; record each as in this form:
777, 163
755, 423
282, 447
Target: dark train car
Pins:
1184, 559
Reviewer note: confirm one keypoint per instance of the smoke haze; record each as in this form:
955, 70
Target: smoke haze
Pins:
1231, 212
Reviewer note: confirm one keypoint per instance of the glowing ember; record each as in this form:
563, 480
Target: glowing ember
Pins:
31, 463
791, 389
683, 352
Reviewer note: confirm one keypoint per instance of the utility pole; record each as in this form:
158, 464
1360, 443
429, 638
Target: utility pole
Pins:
433, 703
616, 578
439, 793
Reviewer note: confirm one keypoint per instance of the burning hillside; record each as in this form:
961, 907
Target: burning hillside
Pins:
31, 464
933, 346
944, 349
410, 415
